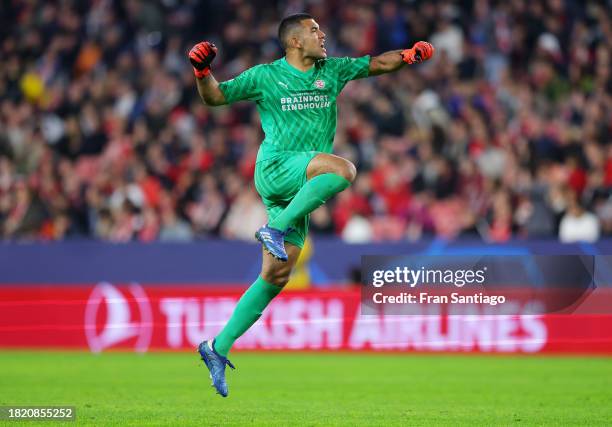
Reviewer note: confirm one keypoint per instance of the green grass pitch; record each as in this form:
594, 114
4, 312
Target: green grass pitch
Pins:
313, 389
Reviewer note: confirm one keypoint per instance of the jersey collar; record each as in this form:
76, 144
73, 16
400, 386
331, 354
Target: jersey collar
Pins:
295, 71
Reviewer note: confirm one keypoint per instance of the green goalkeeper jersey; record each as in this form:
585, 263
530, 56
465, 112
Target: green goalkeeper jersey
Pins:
297, 109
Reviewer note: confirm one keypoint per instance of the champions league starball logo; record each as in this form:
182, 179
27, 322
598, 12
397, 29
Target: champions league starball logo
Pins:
114, 316
319, 84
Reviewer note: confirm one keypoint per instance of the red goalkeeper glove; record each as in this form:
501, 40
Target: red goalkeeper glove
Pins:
421, 51
200, 56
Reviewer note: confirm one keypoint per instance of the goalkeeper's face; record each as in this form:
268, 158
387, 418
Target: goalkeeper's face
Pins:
313, 40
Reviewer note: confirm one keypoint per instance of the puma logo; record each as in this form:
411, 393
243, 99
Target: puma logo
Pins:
283, 85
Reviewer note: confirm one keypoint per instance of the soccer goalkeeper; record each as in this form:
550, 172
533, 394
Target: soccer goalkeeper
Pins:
295, 171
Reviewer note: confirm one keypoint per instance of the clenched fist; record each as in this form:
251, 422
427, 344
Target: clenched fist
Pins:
200, 56
421, 51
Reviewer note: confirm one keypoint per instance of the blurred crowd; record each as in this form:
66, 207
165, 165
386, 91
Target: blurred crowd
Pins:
506, 133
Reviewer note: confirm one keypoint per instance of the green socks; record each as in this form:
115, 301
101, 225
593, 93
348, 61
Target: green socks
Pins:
313, 194
247, 311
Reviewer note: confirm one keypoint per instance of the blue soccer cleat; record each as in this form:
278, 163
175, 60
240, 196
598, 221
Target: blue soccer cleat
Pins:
216, 365
273, 241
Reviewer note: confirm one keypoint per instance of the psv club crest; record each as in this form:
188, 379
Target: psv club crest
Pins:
319, 84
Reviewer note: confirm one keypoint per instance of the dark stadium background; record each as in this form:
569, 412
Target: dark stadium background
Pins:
504, 135
127, 210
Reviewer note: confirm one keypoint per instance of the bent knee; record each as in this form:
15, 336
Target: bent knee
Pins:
348, 171
279, 279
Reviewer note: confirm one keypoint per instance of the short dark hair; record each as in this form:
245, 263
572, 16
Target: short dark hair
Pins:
289, 23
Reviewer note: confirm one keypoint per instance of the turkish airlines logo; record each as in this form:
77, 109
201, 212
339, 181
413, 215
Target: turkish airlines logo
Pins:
114, 316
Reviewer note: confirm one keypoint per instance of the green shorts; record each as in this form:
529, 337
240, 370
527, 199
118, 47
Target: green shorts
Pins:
277, 181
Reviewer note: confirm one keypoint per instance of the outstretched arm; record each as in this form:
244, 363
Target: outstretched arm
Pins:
386, 63
208, 88
395, 59
201, 56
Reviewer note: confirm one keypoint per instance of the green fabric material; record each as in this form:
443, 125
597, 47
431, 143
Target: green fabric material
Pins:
297, 109
248, 309
313, 194
277, 181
